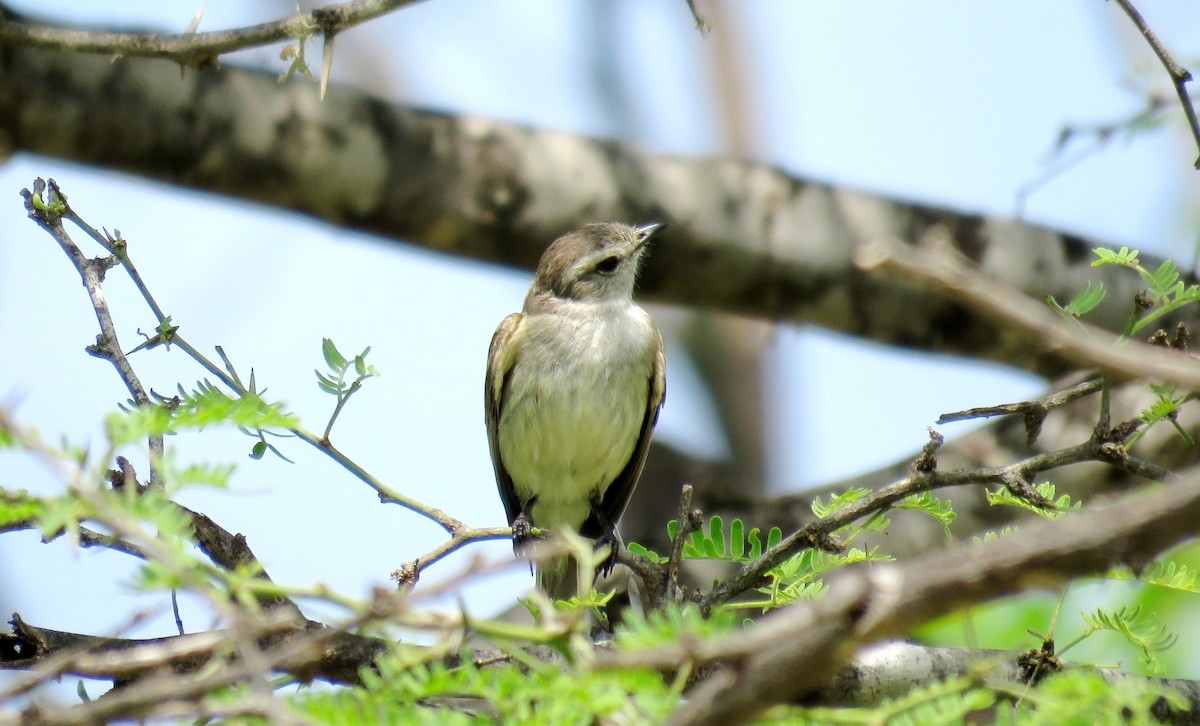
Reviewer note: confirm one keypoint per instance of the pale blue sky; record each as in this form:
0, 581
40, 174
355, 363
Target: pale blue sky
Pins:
944, 102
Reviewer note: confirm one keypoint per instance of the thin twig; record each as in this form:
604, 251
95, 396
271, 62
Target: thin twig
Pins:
1035, 411
688, 521
407, 574
387, 495
195, 49
48, 214
818, 532
1179, 75
118, 250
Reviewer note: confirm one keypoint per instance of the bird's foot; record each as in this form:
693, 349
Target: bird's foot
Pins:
522, 532
609, 539
613, 543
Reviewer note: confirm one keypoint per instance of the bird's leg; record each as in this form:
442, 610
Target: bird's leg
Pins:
609, 538
522, 526
522, 529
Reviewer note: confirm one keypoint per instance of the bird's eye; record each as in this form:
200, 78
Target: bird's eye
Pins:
608, 265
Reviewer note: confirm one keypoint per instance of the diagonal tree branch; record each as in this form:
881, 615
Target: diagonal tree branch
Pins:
745, 237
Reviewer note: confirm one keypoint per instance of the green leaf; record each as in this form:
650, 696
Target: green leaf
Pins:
774, 537
19, 508
1168, 574
1163, 279
1004, 497
1144, 632
737, 539
1164, 408
333, 357
638, 549
1088, 298
837, 501
657, 628
204, 407
327, 384
939, 509
1125, 256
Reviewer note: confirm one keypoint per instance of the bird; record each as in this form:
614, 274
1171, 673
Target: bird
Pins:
574, 386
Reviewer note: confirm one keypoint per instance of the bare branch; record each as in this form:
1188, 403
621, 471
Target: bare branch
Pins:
407, 574
191, 48
1179, 75
49, 214
1034, 411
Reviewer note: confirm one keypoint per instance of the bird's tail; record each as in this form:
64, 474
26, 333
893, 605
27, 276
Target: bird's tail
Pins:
558, 577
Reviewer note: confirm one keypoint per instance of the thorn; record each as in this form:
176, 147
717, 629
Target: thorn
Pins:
326, 63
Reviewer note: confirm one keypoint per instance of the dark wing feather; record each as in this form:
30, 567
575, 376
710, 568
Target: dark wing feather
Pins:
616, 497
501, 354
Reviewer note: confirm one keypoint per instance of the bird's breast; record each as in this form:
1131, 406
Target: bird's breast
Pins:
573, 408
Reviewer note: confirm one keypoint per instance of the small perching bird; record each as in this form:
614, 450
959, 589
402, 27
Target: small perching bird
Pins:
574, 386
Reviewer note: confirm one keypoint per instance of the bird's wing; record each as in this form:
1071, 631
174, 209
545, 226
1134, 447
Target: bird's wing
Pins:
501, 355
616, 497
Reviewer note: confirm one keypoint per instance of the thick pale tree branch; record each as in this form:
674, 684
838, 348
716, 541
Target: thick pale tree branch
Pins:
746, 237
889, 670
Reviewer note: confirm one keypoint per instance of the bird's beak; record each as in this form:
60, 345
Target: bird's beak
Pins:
647, 231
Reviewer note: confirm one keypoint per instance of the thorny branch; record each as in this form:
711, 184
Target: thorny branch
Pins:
195, 49
1034, 412
50, 214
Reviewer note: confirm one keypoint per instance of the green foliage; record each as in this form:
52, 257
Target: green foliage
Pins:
711, 542
1085, 698
18, 508
643, 551
546, 693
1046, 489
939, 509
1125, 257
1165, 407
799, 576
336, 382
992, 536
1167, 574
837, 501
1143, 631
1083, 303
657, 628
1164, 290
206, 406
